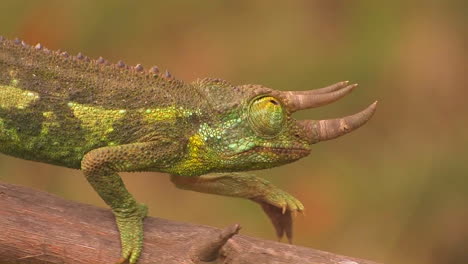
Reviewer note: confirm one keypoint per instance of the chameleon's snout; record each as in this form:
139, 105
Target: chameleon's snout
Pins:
320, 130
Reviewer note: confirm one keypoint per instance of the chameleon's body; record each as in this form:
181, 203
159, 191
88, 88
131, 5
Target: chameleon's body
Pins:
84, 114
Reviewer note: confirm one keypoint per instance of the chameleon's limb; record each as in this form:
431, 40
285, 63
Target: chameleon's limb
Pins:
101, 167
277, 204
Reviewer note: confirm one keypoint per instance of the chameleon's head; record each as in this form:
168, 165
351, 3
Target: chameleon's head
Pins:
255, 128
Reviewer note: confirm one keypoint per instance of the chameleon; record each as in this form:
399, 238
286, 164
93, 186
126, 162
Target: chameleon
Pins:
208, 135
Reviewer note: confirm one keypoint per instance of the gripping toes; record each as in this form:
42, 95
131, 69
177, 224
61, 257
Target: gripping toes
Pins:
284, 201
131, 234
131, 237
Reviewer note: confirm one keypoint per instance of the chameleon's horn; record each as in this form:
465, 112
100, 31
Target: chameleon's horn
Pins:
329, 129
297, 100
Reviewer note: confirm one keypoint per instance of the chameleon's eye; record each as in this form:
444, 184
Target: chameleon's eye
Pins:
266, 116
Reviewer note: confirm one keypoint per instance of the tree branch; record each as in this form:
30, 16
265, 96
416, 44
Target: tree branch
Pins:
37, 227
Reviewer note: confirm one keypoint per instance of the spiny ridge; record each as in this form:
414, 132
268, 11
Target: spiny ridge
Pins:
218, 81
167, 75
152, 72
100, 60
138, 68
120, 64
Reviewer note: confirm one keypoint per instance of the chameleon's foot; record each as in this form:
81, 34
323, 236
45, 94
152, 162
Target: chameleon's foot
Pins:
280, 206
130, 226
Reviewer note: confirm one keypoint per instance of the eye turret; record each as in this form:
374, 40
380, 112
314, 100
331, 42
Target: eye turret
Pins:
266, 116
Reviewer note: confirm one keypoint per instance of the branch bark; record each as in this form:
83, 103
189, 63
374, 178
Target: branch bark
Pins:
37, 227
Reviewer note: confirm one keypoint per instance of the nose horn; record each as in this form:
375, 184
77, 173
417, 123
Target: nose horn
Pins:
299, 100
321, 130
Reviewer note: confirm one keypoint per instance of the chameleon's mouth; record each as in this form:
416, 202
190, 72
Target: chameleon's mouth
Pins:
282, 150
294, 152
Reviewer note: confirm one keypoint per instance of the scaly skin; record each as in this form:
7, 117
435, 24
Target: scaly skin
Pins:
108, 118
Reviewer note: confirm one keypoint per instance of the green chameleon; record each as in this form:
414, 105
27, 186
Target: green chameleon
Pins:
107, 118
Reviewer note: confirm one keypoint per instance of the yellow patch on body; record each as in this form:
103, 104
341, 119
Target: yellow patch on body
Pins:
101, 120
8, 135
170, 113
197, 159
97, 120
49, 122
15, 98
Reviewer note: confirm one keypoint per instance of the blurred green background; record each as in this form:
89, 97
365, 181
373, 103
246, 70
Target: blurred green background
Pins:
395, 191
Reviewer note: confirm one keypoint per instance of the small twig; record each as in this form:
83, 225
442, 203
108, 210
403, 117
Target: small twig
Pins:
208, 246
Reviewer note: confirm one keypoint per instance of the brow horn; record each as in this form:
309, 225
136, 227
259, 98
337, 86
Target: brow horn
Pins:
299, 100
322, 130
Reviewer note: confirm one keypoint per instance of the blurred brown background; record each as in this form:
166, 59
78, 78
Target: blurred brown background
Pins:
395, 191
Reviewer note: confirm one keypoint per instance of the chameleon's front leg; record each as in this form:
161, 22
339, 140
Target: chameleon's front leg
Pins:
100, 166
276, 203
